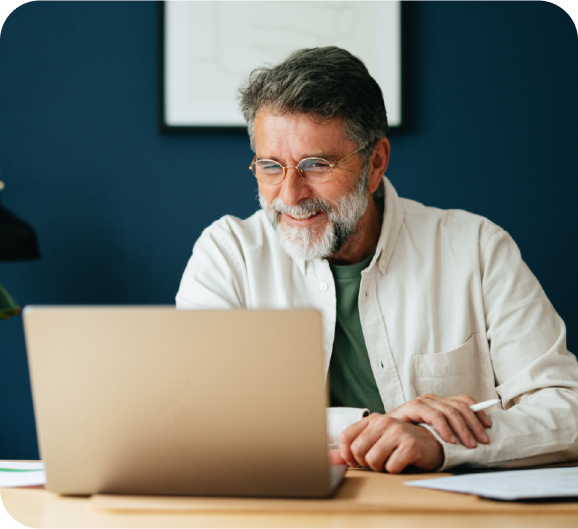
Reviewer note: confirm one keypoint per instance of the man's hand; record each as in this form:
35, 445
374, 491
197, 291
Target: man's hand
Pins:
450, 416
382, 442
393, 441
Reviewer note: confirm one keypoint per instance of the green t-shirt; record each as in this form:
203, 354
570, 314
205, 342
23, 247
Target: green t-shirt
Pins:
351, 380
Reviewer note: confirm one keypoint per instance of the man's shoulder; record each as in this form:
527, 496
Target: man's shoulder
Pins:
414, 208
458, 221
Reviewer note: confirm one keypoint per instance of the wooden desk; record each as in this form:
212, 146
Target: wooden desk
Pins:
366, 499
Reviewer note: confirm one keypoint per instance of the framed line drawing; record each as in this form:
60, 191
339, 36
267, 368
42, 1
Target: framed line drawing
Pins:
208, 48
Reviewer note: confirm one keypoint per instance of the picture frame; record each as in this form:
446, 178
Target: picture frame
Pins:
208, 48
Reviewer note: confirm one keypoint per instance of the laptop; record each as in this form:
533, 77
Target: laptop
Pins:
153, 400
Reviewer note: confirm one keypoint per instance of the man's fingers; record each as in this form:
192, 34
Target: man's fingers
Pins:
347, 437
462, 420
417, 411
484, 418
376, 426
402, 445
474, 423
466, 399
450, 416
382, 442
481, 415
335, 457
458, 424
389, 442
356, 441
386, 437
403, 456
420, 449
381, 450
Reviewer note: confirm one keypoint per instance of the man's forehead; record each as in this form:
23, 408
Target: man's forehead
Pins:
313, 133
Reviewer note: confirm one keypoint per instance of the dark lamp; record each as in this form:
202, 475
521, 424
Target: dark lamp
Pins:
18, 242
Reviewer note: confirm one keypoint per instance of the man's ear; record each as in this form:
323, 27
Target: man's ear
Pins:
378, 163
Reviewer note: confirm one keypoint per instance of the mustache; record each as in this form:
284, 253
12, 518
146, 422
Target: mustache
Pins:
313, 205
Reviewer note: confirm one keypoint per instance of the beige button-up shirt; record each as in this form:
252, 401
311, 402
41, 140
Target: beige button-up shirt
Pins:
447, 306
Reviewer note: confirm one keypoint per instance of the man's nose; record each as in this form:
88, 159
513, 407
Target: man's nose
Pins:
294, 188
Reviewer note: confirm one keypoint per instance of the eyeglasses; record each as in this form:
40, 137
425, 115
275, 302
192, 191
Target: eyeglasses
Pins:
314, 170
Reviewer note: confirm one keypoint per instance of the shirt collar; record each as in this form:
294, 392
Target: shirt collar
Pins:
392, 221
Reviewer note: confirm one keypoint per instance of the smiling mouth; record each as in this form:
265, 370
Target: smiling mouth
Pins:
304, 217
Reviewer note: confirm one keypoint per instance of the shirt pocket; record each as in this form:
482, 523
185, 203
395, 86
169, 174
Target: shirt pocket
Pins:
466, 370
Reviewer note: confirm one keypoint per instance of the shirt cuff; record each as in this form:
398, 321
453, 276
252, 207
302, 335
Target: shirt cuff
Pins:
338, 419
456, 454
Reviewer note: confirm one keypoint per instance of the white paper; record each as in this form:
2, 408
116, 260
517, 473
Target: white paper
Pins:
510, 485
21, 474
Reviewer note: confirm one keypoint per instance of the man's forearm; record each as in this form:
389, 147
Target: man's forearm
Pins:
540, 430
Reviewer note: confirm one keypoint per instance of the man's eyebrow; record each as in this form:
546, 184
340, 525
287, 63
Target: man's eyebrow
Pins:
258, 158
325, 156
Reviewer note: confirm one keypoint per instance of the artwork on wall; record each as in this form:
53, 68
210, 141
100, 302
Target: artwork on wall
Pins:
208, 48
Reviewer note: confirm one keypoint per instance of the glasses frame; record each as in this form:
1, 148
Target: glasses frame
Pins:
300, 171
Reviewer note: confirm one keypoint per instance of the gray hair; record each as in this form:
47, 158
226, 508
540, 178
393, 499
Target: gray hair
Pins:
324, 82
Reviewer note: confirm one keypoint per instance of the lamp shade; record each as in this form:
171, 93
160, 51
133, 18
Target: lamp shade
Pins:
18, 240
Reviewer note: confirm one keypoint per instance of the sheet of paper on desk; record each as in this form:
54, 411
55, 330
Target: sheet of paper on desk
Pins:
21, 474
561, 482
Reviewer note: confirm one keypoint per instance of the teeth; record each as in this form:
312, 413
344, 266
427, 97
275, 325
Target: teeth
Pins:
303, 217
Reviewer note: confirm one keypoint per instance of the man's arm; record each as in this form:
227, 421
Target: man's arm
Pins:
382, 442
536, 377
395, 440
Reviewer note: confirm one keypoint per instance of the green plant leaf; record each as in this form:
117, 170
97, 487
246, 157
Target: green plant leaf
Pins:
8, 307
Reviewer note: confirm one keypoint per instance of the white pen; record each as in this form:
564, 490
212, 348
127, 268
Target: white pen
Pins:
483, 405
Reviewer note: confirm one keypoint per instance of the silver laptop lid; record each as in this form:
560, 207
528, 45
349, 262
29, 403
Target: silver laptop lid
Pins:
151, 400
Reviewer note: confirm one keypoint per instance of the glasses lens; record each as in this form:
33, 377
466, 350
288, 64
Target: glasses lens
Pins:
268, 171
315, 169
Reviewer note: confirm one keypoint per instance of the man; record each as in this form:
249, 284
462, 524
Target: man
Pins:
425, 311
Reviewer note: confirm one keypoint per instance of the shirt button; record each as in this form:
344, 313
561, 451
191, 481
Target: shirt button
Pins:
382, 264
323, 287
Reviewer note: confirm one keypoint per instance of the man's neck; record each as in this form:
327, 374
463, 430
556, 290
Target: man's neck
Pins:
363, 241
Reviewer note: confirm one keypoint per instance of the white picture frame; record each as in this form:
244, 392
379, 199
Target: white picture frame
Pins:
208, 48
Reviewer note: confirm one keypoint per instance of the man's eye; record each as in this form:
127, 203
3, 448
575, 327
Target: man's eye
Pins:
315, 164
269, 167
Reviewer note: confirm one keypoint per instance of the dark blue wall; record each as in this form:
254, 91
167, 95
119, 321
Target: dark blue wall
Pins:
492, 127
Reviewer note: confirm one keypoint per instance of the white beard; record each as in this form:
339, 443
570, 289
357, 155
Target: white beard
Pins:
306, 243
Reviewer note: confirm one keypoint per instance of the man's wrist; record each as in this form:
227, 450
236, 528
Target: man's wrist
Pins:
440, 441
